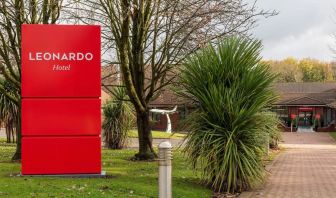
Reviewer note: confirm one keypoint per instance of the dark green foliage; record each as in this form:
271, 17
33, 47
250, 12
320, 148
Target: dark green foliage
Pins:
118, 119
9, 111
228, 133
272, 127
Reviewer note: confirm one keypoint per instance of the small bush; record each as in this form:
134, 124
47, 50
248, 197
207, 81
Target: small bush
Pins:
118, 119
9, 112
272, 122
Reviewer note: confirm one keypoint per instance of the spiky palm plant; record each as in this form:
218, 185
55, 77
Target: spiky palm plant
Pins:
227, 135
118, 119
9, 113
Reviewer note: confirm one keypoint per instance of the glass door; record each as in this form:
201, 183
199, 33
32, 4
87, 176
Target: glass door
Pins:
305, 118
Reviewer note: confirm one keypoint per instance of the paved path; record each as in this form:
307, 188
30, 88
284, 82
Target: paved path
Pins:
2, 133
305, 129
306, 169
134, 143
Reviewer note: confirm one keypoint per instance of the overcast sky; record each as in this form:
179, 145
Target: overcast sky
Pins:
302, 29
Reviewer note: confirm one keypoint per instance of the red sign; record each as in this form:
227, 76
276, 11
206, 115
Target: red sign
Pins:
58, 117
305, 109
61, 155
61, 114
318, 116
60, 61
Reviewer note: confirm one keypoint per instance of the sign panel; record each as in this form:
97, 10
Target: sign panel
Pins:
60, 61
305, 109
66, 117
61, 155
60, 110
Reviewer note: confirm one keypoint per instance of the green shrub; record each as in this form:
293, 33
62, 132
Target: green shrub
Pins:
232, 88
9, 111
118, 119
272, 122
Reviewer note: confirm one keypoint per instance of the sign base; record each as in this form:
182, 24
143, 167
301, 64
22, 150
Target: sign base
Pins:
101, 175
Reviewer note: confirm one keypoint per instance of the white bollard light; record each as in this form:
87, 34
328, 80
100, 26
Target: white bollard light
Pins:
165, 169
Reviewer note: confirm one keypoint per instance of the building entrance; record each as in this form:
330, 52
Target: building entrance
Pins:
305, 118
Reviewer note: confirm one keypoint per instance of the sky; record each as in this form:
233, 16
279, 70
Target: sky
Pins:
302, 29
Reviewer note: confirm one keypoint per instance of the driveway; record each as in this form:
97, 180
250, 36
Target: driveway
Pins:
134, 143
2, 133
306, 169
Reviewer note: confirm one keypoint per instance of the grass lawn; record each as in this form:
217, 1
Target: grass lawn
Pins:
126, 179
158, 134
333, 134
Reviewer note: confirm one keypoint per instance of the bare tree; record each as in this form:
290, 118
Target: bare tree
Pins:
148, 39
14, 13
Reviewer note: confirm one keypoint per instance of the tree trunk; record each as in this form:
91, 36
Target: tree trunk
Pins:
7, 134
146, 151
17, 154
14, 134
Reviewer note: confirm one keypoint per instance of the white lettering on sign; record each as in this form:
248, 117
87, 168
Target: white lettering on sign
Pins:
47, 56
62, 67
